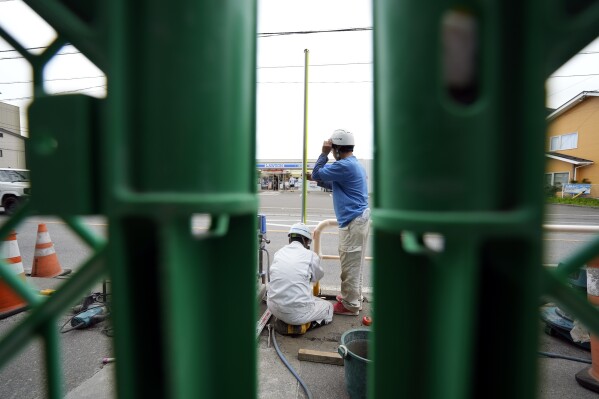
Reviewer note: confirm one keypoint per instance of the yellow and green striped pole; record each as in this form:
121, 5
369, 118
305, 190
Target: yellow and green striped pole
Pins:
305, 155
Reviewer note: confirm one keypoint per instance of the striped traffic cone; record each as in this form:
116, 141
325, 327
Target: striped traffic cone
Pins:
589, 376
45, 261
9, 300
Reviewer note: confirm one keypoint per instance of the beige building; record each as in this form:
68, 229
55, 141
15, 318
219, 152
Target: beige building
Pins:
12, 143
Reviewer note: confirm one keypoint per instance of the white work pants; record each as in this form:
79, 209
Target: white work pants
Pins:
319, 311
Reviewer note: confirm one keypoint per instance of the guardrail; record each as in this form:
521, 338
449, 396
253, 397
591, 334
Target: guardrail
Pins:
566, 228
551, 228
316, 238
327, 223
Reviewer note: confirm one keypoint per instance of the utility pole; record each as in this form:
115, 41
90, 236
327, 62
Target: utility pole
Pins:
305, 156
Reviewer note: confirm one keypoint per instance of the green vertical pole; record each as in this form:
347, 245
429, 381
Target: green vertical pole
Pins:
305, 154
458, 152
180, 141
53, 357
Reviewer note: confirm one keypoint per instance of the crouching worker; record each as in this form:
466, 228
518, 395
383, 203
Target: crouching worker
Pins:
289, 296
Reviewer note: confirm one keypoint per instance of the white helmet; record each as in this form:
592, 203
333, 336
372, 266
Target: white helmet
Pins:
301, 229
342, 137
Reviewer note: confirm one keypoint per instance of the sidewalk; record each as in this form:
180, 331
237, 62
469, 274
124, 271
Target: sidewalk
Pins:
556, 376
325, 381
275, 380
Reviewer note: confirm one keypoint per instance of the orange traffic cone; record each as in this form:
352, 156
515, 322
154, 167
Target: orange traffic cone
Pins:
9, 300
45, 261
589, 376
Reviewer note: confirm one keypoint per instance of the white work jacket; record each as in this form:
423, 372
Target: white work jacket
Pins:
292, 270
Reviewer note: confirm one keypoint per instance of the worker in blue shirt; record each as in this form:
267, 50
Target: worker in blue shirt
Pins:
347, 178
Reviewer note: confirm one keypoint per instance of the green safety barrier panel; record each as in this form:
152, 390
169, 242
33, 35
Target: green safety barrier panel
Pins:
460, 130
459, 151
175, 137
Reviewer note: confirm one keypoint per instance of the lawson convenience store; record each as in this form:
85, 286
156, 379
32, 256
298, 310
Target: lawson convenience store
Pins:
282, 170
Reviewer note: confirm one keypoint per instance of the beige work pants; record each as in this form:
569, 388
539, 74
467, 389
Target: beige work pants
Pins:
352, 248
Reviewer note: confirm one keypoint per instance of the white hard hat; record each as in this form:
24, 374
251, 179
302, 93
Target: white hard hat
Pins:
301, 229
342, 137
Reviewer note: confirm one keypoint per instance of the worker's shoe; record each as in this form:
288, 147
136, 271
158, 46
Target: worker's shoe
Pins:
338, 308
339, 299
316, 324
289, 329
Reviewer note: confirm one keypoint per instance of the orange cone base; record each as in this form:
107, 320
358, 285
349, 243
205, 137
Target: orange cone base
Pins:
586, 380
8, 313
46, 266
9, 300
64, 272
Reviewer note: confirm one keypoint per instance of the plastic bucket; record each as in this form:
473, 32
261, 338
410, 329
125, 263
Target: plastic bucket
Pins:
354, 350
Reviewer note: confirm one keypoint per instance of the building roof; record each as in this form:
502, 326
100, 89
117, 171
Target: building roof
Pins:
572, 103
569, 159
2, 130
559, 111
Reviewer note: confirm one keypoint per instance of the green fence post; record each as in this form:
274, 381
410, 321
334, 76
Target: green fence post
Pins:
459, 116
180, 140
174, 138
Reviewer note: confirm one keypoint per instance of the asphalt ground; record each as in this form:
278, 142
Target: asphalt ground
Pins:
86, 376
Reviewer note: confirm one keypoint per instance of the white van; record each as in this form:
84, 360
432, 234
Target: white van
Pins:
14, 188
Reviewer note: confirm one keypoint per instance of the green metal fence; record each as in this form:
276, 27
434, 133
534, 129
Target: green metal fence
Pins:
466, 142
184, 71
169, 141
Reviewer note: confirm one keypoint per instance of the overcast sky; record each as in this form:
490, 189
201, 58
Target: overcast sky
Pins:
340, 73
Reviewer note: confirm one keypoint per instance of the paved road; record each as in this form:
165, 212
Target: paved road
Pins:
283, 209
559, 245
83, 350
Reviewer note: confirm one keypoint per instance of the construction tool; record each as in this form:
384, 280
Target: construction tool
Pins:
262, 322
89, 317
269, 334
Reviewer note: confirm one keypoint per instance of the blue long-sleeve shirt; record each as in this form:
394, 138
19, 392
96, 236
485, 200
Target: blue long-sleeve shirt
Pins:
347, 179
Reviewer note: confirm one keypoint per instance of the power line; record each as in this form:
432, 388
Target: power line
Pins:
58, 92
85, 88
340, 82
266, 34
281, 66
53, 80
28, 48
307, 32
264, 67
20, 56
315, 65
574, 76
104, 87
281, 82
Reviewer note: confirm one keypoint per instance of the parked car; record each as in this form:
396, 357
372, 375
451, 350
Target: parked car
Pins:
14, 188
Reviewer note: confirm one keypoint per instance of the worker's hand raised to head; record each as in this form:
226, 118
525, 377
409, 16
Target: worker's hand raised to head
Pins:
326, 146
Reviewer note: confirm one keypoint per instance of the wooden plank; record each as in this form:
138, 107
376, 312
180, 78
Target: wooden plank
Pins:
309, 355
